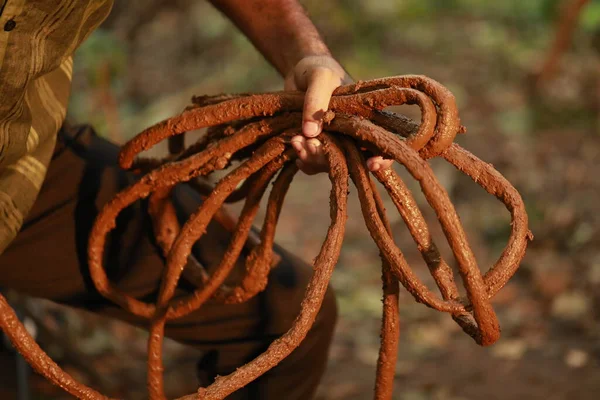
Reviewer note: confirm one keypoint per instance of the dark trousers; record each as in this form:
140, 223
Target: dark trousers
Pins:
48, 259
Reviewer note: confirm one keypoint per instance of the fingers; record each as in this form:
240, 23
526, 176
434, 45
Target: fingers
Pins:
315, 150
378, 163
308, 169
319, 76
311, 157
298, 143
321, 84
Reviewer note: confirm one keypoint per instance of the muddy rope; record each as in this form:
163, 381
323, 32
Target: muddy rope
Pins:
255, 131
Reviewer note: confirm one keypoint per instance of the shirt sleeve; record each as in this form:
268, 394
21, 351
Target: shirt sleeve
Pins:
45, 102
35, 81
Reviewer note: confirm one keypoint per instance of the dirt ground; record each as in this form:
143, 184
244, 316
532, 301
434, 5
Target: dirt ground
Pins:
147, 61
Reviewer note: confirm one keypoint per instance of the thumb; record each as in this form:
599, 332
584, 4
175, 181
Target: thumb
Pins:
321, 84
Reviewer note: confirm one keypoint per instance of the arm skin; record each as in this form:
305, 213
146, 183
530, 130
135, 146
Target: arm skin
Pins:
286, 37
279, 29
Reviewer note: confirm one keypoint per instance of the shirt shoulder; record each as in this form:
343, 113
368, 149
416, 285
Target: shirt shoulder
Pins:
42, 37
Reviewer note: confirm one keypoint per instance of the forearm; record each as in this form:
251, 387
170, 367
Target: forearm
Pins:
279, 29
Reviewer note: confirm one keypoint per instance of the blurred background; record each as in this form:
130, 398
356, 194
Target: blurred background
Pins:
538, 125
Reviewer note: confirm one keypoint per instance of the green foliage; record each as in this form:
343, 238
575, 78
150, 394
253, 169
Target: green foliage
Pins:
590, 19
100, 66
99, 49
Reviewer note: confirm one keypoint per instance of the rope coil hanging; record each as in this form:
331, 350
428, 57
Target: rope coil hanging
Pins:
255, 130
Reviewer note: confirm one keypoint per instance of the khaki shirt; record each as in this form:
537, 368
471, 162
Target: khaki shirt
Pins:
37, 41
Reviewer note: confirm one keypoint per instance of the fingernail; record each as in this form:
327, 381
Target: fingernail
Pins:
312, 148
310, 128
375, 166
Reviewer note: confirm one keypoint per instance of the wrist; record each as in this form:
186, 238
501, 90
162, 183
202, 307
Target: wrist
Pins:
315, 49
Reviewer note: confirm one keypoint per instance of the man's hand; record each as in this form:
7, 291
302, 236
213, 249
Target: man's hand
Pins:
283, 33
319, 76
